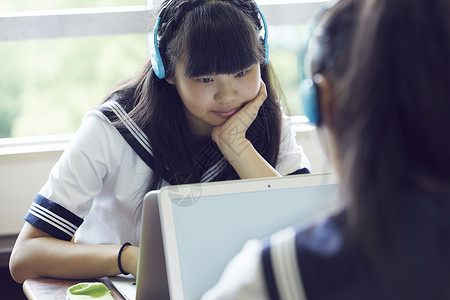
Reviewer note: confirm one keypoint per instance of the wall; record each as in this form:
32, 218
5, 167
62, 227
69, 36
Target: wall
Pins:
21, 177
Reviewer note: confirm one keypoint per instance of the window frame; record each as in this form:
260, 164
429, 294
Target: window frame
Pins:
101, 21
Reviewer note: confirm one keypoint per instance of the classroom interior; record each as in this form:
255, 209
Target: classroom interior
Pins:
25, 161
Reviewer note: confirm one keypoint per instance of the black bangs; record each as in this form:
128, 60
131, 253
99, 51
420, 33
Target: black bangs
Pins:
218, 38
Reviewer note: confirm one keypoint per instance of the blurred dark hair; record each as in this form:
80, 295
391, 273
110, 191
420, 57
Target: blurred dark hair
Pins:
391, 115
389, 66
333, 36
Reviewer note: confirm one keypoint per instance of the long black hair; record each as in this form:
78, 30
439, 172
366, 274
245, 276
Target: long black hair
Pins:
392, 120
388, 63
209, 37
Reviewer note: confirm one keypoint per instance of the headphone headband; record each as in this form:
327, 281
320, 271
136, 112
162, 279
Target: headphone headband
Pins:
308, 89
266, 35
327, 33
156, 59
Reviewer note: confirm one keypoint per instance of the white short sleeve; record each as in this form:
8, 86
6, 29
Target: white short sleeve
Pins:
78, 175
291, 157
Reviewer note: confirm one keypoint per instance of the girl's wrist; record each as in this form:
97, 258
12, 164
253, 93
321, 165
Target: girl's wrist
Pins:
250, 164
236, 153
128, 260
119, 258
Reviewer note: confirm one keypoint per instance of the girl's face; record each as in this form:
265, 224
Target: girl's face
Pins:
210, 100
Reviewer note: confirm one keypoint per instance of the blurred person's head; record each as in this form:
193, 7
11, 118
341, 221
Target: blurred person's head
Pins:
382, 75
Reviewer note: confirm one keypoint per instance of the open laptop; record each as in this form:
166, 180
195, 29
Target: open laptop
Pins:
190, 232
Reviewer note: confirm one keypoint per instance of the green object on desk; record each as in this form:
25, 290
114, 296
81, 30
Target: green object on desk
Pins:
88, 290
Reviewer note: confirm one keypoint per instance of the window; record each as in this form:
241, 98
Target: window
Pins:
284, 51
47, 85
30, 5
62, 59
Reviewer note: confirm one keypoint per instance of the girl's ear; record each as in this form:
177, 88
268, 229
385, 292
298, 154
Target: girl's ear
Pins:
326, 99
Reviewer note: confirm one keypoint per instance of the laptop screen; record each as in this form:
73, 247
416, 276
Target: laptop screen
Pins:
203, 232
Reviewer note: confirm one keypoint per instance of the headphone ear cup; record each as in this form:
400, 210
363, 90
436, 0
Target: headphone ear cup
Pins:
157, 65
310, 101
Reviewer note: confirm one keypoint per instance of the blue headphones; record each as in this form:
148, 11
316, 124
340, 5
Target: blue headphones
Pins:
308, 89
156, 60
266, 35
314, 51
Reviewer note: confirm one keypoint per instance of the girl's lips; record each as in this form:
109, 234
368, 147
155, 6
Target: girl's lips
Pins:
226, 113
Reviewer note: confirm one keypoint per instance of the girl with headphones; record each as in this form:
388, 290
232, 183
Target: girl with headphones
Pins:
377, 79
204, 108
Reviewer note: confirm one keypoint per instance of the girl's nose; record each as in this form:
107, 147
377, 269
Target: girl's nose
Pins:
226, 92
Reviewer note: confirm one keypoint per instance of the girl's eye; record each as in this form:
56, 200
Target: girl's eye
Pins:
241, 74
205, 80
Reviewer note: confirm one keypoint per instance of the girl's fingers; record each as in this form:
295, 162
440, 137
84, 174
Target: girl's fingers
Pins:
232, 132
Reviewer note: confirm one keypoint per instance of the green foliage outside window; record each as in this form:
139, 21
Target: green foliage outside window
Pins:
47, 85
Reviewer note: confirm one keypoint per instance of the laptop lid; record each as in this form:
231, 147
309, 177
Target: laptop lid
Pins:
205, 225
151, 281
151, 276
